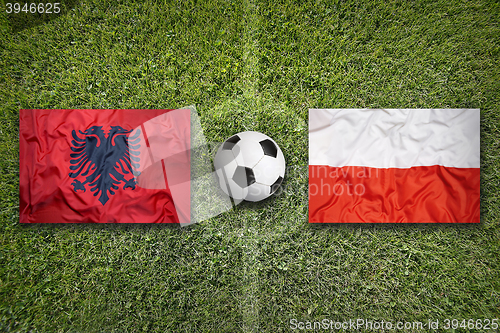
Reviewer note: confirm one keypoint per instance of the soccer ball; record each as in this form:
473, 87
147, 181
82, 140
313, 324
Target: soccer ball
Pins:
250, 166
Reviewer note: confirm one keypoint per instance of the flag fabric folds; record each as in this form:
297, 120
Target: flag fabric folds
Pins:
118, 166
394, 165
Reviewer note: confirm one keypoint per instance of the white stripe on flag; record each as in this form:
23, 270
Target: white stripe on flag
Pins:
394, 138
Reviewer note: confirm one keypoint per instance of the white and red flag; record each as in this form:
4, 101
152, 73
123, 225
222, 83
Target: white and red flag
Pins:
394, 165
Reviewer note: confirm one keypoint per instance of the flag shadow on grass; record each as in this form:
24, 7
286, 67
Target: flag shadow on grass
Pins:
429, 226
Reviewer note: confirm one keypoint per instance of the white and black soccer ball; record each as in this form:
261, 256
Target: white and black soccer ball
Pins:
250, 166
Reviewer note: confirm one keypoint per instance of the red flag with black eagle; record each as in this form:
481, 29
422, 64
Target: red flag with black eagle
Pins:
87, 165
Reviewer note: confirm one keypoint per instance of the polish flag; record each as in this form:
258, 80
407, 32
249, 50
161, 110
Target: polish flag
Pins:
394, 165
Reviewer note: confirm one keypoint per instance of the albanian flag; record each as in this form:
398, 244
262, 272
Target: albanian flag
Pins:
394, 165
118, 166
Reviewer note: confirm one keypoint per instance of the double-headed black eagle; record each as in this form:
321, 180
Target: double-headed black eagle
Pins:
104, 160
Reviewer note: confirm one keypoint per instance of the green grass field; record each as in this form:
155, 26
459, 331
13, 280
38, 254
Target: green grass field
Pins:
249, 65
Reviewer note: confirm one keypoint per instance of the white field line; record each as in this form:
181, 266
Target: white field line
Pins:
249, 235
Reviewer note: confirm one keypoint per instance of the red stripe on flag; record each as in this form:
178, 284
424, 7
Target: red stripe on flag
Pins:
151, 158
145, 135
164, 173
418, 194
